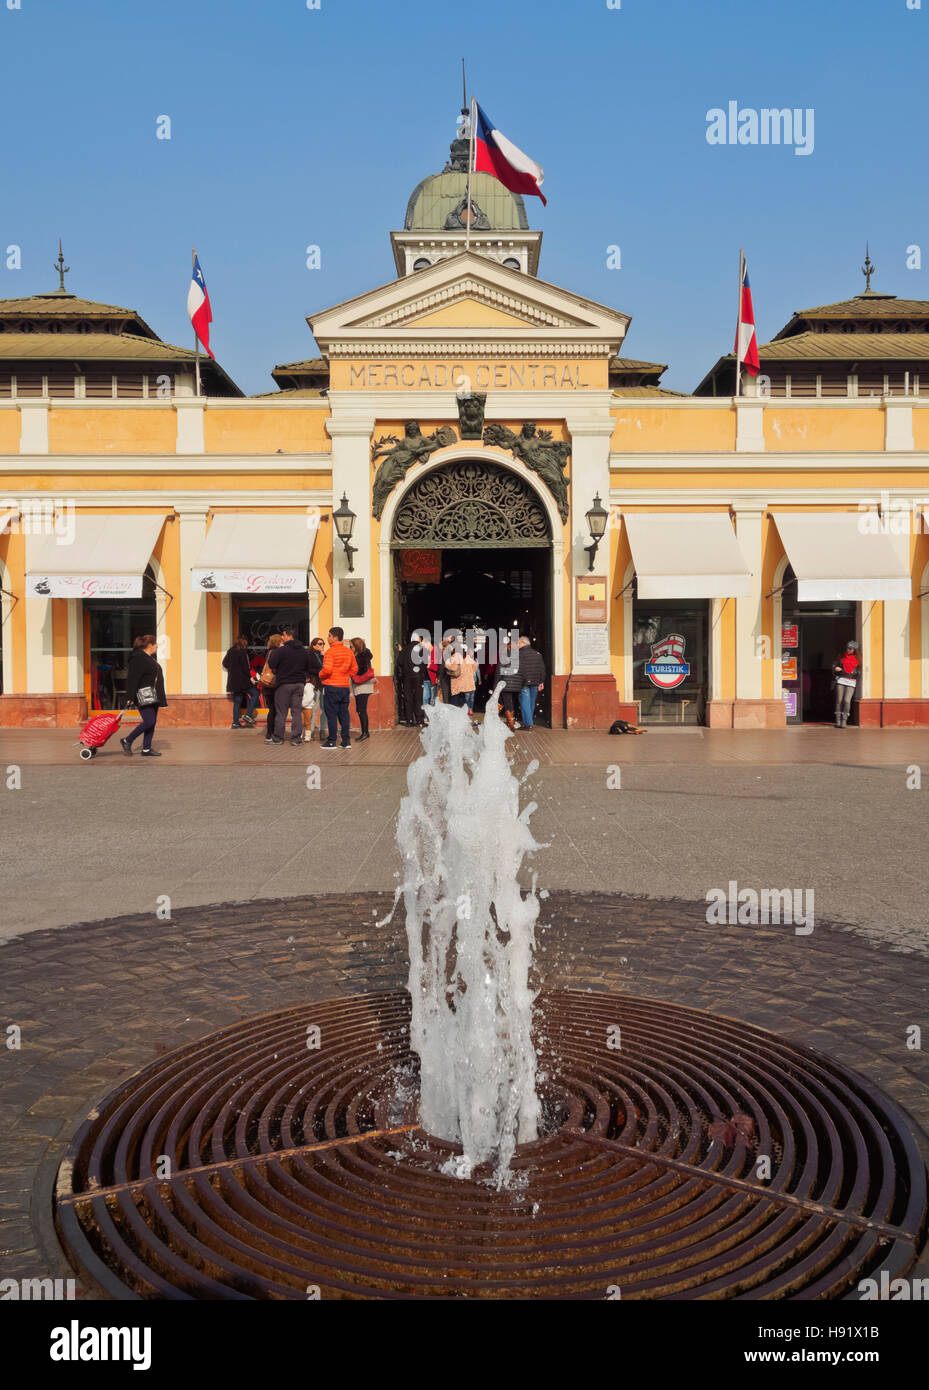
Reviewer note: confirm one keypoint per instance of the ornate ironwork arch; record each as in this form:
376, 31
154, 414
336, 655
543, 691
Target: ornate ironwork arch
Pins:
463, 505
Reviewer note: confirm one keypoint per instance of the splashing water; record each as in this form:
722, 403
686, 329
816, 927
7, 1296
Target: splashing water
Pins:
471, 936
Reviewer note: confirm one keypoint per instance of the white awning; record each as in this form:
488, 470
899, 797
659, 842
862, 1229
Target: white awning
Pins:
256, 554
686, 555
101, 557
834, 557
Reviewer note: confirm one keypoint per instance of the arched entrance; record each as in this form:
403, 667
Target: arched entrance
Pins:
471, 547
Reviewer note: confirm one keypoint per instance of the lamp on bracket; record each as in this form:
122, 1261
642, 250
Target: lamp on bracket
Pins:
344, 519
597, 518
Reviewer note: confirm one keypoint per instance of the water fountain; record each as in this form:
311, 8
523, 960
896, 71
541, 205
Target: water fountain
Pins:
470, 929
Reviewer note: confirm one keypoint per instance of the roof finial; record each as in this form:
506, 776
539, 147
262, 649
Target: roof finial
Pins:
867, 269
61, 268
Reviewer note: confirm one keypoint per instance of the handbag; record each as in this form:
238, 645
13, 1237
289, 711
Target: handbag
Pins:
364, 677
308, 698
146, 695
267, 677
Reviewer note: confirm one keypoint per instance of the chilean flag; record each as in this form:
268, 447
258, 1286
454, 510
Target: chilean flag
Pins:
495, 154
746, 343
198, 306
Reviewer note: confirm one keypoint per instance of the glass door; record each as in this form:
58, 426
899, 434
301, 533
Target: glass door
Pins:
670, 661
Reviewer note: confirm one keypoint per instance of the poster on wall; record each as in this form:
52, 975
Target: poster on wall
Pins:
592, 646
788, 667
590, 599
790, 703
789, 636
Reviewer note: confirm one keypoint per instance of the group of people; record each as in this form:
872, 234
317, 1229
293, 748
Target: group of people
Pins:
313, 685
424, 673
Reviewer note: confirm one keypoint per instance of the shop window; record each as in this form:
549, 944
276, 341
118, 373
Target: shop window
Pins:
670, 661
258, 621
111, 627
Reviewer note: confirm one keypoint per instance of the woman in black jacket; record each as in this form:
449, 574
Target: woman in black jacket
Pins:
240, 685
144, 677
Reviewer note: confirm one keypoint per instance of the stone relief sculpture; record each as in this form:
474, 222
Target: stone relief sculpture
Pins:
537, 450
399, 455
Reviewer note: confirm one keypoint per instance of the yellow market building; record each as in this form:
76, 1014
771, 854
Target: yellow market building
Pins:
481, 426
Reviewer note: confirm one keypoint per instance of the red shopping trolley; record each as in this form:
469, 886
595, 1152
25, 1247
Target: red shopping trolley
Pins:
96, 732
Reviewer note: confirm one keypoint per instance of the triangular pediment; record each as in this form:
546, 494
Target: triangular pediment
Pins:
467, 296
466, 306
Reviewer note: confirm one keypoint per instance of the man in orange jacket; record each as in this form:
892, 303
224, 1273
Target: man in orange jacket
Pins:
339, 665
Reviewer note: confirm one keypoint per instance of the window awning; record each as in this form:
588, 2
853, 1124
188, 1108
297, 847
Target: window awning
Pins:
833, 557
104, 557
686, 555
255, 554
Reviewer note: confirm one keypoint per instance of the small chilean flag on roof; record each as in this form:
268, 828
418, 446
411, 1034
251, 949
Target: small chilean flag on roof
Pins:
746, 343
198, 306
495, 154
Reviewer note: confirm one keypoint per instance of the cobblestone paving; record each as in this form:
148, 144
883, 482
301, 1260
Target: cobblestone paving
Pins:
99, 1001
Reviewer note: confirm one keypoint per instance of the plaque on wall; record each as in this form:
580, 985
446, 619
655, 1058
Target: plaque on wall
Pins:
352, 598
592, 646
589, 599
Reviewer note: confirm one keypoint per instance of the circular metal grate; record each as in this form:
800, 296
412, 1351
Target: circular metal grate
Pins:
686, 1156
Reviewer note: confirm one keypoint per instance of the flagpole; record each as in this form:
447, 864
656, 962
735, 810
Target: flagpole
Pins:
738, 331
193, 263
470, 163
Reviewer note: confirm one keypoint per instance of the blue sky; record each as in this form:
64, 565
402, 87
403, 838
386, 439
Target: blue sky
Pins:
293, 127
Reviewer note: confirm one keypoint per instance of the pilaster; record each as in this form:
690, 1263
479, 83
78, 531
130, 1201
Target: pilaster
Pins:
350, 432
192, 525
591, 429
33, 427
189, 425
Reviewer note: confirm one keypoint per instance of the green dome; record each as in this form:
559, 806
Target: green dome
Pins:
435, 202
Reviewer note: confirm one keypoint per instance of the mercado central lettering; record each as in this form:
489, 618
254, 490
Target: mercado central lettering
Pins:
466, 444
439, 376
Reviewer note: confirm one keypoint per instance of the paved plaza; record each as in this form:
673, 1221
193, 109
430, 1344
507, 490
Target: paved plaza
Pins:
100, 985
222, 817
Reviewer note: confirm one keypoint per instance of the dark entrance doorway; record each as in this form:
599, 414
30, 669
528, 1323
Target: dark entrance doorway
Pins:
485, 591
481, 544
812, 636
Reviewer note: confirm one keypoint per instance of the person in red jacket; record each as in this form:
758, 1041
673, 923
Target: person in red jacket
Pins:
846, 669
339, 666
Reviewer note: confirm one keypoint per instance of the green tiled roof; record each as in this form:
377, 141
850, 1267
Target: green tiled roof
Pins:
845, 346
101, 346
291, 393
58, 305
631, 364
627, 391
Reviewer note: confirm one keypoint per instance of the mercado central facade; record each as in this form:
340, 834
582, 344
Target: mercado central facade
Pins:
476, 428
